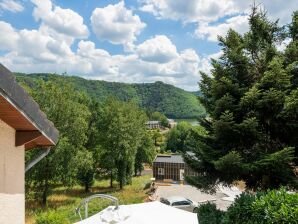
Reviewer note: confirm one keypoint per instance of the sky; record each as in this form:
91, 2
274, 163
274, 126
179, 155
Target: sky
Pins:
132, 41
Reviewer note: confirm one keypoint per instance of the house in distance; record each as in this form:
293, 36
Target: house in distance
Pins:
171, 167
154, 124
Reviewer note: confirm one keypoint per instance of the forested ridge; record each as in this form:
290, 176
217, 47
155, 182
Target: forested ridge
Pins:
167, 99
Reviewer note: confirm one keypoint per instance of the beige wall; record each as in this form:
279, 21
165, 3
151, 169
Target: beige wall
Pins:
12, 177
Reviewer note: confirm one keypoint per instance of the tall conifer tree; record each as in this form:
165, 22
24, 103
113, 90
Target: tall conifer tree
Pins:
251, 98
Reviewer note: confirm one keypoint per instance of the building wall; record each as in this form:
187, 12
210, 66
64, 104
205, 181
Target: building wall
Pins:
12, 177
171, 171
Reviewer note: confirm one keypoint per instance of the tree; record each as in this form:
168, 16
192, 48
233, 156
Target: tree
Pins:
67, 109
157, 116
251, 99
176, 137
156, 135
122, 127
85, 168
145, 153
105, 163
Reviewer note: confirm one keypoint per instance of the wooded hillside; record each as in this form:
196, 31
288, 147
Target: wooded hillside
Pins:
158, 96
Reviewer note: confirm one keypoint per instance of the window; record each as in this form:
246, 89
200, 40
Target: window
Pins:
161, 171
178, 203
184, 203
165, 201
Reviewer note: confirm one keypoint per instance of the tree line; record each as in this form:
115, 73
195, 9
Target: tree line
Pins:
158, 96
97, 139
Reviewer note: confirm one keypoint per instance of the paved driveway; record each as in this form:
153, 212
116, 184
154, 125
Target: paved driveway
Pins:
192, 193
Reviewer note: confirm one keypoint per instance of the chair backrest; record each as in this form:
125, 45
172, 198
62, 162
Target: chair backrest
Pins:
86, 201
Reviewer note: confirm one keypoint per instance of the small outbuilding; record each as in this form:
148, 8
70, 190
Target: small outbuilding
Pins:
23, 126
171, 167
154, 124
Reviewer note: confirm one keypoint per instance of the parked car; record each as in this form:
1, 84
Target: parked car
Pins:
181, 203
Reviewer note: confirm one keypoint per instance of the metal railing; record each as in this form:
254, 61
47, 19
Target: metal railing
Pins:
86, 201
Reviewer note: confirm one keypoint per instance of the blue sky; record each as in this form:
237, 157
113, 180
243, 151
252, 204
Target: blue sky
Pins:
124, 41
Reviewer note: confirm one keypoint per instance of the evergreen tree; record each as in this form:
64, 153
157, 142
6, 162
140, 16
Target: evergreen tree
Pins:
252, 100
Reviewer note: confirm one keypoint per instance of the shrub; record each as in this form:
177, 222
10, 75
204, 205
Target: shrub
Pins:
276, 206
209, 214
51, 217
241, 210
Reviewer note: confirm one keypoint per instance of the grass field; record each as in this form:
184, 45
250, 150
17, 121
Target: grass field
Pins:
64, 202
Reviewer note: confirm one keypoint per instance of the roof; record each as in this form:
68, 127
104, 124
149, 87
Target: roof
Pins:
143, 213
153, 122
20, 111
169, 159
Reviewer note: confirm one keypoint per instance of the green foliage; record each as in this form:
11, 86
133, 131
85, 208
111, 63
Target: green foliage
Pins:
157, 116
251, 98
85, 169
241, 210
51, 217
182, 137
158, 96
176, 137
276, 207
122, 129
209, 214
145, 153
156, 136
69, 111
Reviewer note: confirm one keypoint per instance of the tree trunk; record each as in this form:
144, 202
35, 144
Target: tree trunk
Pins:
46, 185
121, 184
136, 171
86, 187
44, 194
111, 179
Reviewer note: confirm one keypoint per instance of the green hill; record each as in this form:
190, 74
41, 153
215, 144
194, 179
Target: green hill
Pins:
167, 99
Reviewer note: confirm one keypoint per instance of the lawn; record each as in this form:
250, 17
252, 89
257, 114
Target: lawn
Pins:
64, 201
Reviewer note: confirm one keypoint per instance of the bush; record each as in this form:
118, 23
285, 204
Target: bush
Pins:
51, 218
209, 214
276, 206
241, 210
272, 207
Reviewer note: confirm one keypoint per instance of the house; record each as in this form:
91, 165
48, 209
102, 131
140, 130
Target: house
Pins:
171, 123
153, 124
23, 126
171, 167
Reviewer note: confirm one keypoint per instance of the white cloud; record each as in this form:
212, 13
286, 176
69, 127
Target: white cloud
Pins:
211, 32
11, 5
9, 40
62, 21
216, 55
192, 10
158, 49
224, 13
36, 51
117, 24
